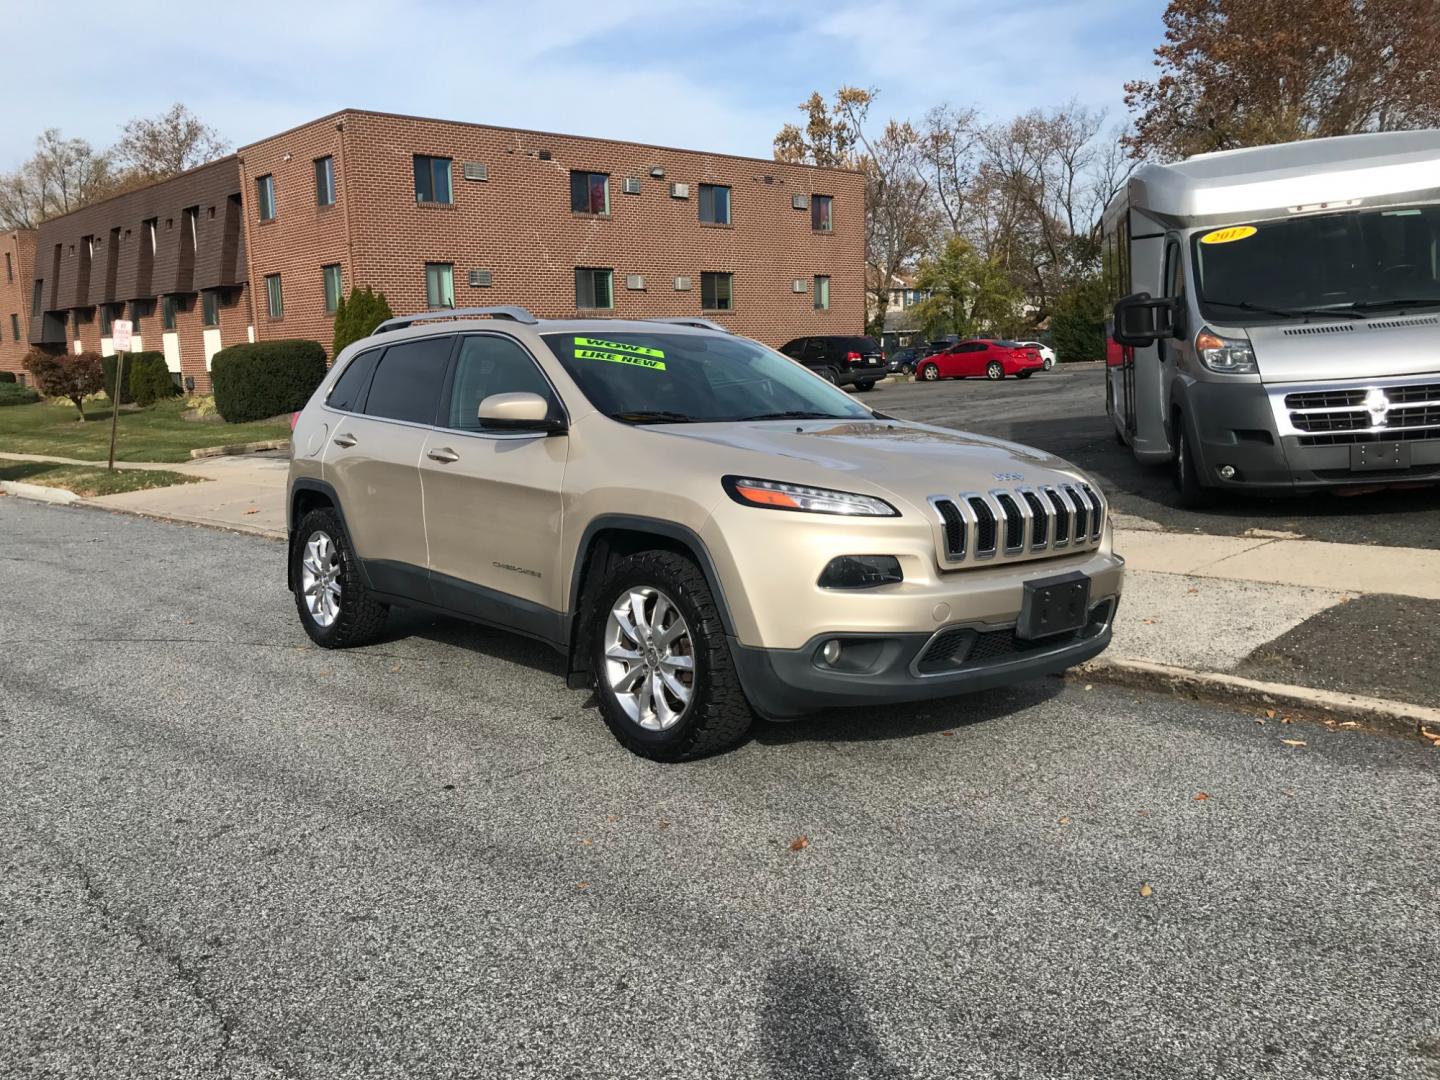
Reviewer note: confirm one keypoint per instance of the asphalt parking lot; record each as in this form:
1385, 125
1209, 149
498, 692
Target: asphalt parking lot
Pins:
1063, 411
229, 854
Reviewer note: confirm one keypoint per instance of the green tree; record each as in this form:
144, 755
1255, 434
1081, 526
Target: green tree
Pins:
968, 292
1078, 323
357, 316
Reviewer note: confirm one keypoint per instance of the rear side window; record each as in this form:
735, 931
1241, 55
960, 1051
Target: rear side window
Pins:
408, 379
348, 394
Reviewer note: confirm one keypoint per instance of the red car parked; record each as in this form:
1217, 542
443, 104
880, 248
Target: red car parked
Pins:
979, 356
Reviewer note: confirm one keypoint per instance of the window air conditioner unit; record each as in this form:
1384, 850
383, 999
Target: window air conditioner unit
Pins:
800, 202
635, 281
679, 191
682, 284
476, 170
798, 285
632, 185
479, 279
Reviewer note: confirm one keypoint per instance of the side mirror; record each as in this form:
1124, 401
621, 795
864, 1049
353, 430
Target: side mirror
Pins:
518, 412
1141, 321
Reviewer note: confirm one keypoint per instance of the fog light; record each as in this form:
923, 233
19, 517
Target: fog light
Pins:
861, 572
1227, 472
831, 652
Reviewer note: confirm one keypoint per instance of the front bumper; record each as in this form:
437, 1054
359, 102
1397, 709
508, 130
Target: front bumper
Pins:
889, 669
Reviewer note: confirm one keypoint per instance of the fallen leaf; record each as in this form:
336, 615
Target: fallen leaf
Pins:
1259, 721
1344, 599
1148, 622
947, 733
1433, 736
587, 842
1286, 720
1270, 714
1145, 889
322, 674
582, 884
1355, 724
1293, 742
394, 669
1201, 796
253, 510
1064, 821
1192, 589
1089, 686
664, 824
612, 817
800, 843
1144, 812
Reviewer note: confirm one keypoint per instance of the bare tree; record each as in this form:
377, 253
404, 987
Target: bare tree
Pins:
163, 146
951, 147
62, 175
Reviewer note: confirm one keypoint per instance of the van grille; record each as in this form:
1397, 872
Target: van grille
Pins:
1412, 407
1017, 523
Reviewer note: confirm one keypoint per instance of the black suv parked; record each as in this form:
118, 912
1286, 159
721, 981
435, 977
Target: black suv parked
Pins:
843, 360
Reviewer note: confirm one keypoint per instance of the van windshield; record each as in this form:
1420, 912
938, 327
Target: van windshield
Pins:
695, 378
1348, 263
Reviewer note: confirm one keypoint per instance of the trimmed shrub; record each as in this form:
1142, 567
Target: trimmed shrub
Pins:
149, 378
60, 375
109, 364
255, 382
7, 376
12, 393
357, 317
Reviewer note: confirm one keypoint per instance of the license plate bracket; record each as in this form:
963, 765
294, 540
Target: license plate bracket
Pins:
1377, 456
1054, 605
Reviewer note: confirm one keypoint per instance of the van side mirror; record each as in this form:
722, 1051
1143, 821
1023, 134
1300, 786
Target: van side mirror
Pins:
518, 412
1141, 321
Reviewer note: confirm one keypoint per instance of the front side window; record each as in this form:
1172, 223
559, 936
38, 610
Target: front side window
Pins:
210, 308
439, 285
324, 181
714, 204
820, 213
407, 381
715, 291
822, 292
593, 288
274, 297
332, 287
432, 179
265, 197
673, 378
590, 192
491, 365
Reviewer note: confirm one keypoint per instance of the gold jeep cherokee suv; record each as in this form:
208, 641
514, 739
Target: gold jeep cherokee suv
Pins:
703, 527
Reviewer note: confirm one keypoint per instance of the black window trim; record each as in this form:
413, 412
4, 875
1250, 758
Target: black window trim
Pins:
383, 349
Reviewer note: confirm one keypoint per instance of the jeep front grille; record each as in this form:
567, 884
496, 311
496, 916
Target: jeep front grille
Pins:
1018, 523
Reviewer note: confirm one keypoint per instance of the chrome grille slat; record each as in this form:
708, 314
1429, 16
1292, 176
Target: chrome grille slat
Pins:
1006, 524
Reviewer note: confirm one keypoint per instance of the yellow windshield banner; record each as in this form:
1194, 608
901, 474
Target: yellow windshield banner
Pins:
617, 346
1230, 235
620, 358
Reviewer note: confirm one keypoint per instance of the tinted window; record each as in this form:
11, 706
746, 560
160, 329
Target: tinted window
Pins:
858, 344
348, 394
407, 381
491, 365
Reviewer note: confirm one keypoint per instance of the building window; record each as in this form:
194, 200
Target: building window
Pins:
15, 327
107, 319
167, 312
265, 197
590, 192
275, 299
9, 268
715, 204
139, 309
38, 298
150, 232
210, 308
432, 179
820, 219
439, 285
192, 219
325, 181
822, 292
332, 287
715, 292
593, 288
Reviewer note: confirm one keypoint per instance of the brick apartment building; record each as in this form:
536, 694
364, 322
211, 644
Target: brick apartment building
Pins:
432, 213
17, 253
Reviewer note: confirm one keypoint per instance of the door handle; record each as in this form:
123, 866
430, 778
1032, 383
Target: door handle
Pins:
344, 438
443, 454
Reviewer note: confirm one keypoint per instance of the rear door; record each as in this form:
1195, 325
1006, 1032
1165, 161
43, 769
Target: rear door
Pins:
493, 498
372, 461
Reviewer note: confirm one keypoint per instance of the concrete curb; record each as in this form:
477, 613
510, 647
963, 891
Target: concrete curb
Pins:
39, 492
185, 519
1395, 717
240, 448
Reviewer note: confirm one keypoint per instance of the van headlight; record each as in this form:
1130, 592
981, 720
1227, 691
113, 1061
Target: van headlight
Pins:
1230, 355
773, 495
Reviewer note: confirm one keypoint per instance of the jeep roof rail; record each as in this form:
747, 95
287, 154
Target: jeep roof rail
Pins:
687, 320
505, 311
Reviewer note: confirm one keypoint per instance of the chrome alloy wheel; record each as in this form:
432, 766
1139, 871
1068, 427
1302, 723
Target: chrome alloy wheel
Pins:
649, 658
320, 579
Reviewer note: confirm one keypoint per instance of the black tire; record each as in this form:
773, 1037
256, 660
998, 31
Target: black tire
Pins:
717, 716
361, 618
1049, 364
930, 372
1024, 374
1193, 494
830, 375
907, 369
995, 370
861, 387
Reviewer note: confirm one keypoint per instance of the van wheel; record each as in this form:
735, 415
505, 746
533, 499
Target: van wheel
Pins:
1193, 494
994, 370
930, 373
664, 677
335, 608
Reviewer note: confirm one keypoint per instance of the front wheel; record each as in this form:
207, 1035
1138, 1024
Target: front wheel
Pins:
995, 370
664, 678
1193, 494
830, 375
930, 373
335, 608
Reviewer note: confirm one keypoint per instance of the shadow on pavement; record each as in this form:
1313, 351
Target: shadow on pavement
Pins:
814, 1023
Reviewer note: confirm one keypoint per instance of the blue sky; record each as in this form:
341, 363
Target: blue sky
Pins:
722, 76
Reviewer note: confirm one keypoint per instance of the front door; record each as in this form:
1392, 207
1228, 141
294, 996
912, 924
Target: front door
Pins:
493, 497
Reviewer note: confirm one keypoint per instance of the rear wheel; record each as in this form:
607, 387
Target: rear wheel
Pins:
335, 608
830, 375
1049, 363
860, 388
994, 370
1194, 495
664, 677
930, 373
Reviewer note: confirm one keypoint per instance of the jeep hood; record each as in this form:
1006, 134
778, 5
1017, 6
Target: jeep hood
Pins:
910, 461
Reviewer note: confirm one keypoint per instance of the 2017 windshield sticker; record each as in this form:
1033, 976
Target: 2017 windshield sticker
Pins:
1230, 235
617, 352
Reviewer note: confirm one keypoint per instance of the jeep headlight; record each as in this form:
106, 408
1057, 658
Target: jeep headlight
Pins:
774, 495
1230, 355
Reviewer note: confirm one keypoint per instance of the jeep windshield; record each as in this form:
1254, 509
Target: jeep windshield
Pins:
695, 378
1322, 265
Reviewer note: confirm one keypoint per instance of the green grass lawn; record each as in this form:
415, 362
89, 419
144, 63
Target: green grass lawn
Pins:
158, 433
87, 480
